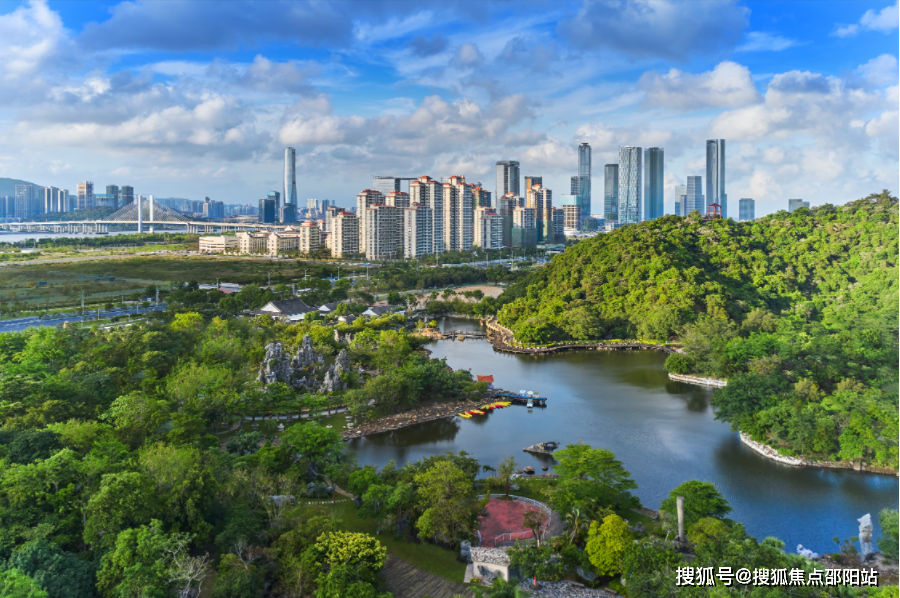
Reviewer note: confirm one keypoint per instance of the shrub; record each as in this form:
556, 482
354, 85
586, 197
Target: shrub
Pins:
679, 363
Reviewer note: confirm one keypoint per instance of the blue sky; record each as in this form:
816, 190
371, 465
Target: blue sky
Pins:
191, 99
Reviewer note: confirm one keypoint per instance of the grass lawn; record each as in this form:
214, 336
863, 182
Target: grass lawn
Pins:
424, 556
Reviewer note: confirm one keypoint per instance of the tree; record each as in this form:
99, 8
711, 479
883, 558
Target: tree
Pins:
506, 470
535, 561
360, 551
588, 473
701, 499
533, 519
708, 529
187, 322
315, 443
15, 584
890, 527
448, 498
59, 573
607, 543
124, 500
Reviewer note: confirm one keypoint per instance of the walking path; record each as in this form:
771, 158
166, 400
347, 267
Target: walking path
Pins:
405, 581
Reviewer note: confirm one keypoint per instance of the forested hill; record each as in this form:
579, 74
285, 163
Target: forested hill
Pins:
834, 264
798, 311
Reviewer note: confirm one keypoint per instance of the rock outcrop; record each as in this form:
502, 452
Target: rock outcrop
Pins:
306, 355
275, 366
333, 380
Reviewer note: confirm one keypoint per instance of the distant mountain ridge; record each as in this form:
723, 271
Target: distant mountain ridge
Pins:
8, 186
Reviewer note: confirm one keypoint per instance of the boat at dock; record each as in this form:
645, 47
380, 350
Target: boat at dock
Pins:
522, 398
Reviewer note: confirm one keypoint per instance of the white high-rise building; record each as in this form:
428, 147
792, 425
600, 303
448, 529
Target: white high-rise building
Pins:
458, 233
364, 199
417, 231
382, 232
85, 195
715, 175
344, 234
488, 228
429, 192
630, 167
290, 176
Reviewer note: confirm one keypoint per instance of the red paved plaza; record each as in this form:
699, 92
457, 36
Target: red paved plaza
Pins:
503, 517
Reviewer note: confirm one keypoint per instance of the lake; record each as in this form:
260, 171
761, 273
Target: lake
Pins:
664, 432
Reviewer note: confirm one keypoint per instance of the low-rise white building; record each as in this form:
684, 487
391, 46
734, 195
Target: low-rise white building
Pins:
219, 244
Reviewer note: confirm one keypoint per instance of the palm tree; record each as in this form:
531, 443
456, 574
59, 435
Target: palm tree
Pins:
576, 521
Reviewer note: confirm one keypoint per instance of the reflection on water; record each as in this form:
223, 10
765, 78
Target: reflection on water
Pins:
664, 432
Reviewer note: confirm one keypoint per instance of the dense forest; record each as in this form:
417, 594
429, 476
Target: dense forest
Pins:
798, 311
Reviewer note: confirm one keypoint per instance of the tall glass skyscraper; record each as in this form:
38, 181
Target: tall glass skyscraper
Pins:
584, 179
653, 183
715, 174
629, 185
507, 178
611, 193
746, 209
694, 198
290, 175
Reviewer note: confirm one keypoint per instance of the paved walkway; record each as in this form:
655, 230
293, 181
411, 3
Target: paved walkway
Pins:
405, 581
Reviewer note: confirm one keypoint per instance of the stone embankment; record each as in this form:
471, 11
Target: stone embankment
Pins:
409, 418
698, 380
767, 451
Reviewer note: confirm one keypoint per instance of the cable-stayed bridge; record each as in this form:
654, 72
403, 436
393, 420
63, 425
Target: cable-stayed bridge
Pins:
146, 216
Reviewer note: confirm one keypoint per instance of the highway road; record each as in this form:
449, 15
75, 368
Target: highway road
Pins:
57, 319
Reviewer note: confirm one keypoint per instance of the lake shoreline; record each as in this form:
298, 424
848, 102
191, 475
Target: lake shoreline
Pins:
771, 453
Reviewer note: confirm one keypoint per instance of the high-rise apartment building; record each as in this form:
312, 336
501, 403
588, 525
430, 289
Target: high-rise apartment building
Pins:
417, 231
398, 199
49, 200
654, 185
746, 209
126, 195
383, 232
267, 213
507, 178
795, 204
584, 178
458, 214
715, 175
610, 192
533, 180
488, 229
481, 197
693, 199
385, 184
558, 218
571, 206
630, 167
28, 201
524, 230
680, 199
542, 201
429, 192
85, 195
290, 176
344, 234
310, 238
507, 204
330, 213
364, 199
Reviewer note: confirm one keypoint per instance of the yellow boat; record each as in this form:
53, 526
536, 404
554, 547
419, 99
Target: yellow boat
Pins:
477, 411
465, 415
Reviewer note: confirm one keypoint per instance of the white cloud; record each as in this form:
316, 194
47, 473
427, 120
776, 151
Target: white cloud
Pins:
880, 70
728, 85
884, 20
468, 56
762, 41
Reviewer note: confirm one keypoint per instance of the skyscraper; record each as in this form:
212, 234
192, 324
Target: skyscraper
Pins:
796, 204
584, 179
385, 184
507, 178
267, 213
610, 193
126, 195
458, 214
715, 174
533, 180
680, 199
653, 183
694, 197
276, 197
629, 185
290, 175
85, 195
746, 209
112, 191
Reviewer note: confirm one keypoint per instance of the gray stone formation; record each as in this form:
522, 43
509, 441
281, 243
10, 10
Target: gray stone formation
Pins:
806, 552
333, 380
306, 355
275, 365
865, 536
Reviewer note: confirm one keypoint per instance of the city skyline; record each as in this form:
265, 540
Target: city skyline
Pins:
805, 94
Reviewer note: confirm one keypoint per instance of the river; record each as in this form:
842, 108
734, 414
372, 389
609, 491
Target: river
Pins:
663, 431
19, 237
